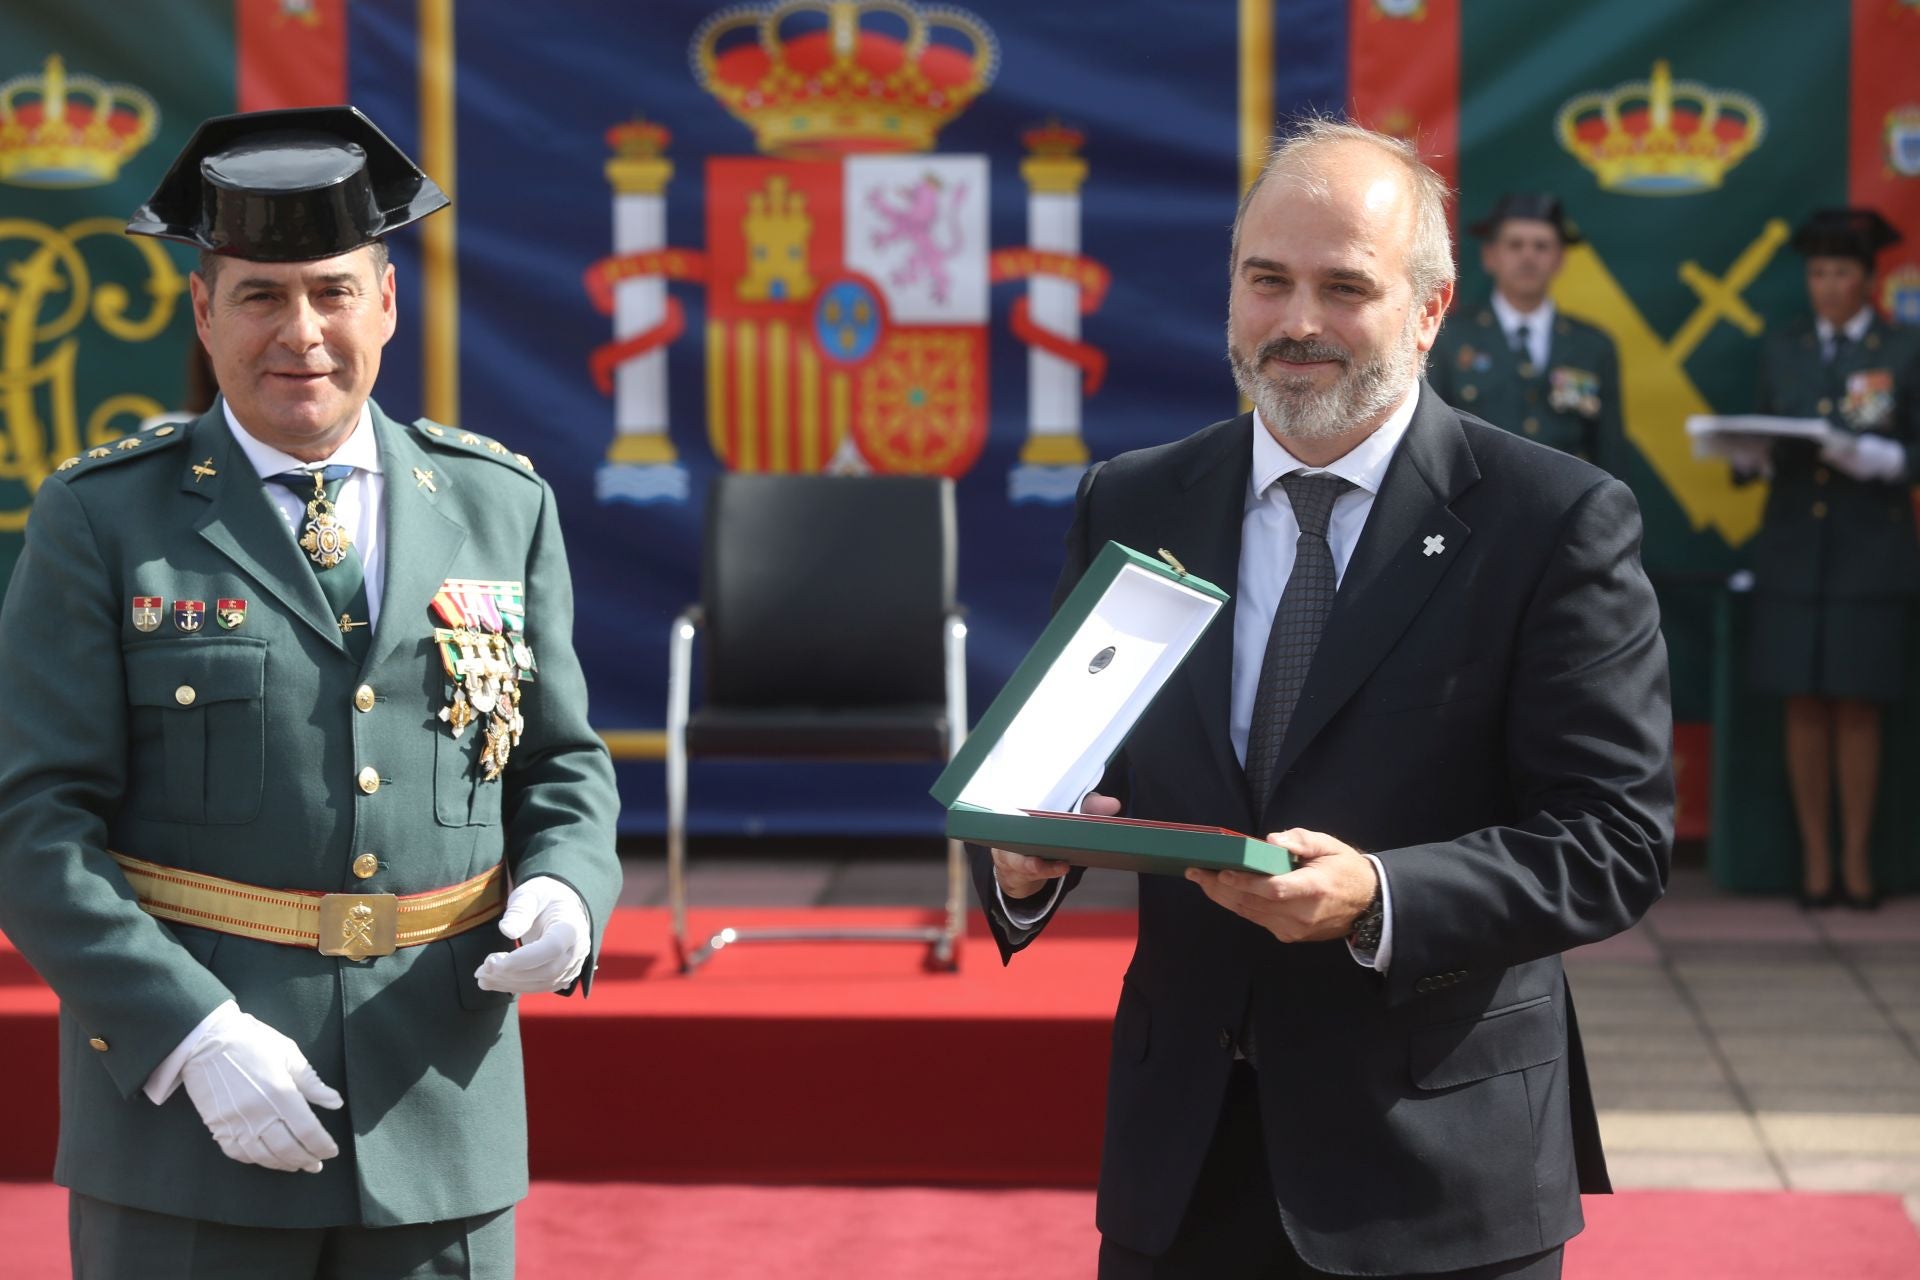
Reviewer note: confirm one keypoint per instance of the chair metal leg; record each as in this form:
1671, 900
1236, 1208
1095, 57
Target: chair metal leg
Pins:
942, 940
679, 698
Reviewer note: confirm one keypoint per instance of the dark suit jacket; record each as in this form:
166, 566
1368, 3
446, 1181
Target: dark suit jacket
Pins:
1493, 722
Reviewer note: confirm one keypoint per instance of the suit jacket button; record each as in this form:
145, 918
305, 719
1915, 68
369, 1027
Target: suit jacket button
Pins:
369, 780
1425, 984
1531, 426
1226, 1039
99, 1045
1825, 406
366, 866
363, 698
185, 695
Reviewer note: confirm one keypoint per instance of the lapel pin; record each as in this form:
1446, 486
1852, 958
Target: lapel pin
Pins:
146, 612
1435, 545
230, 613
423, 480
188, 615
201, 470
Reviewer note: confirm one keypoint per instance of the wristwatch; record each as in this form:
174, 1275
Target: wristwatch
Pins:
1365, 935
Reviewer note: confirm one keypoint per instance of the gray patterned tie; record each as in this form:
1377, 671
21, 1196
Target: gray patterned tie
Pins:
1297, 625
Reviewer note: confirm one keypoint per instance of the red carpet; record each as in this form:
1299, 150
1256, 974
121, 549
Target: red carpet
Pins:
600, 1231
776, 1063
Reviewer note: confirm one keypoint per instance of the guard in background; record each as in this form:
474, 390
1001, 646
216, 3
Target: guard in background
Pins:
1520, 362
1836, 562
296, 748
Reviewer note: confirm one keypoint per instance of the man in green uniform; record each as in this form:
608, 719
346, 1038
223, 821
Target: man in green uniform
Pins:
297, 748
1521, 363
1836, 562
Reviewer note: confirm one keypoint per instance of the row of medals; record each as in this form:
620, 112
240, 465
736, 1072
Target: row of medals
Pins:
486, 679
487, 683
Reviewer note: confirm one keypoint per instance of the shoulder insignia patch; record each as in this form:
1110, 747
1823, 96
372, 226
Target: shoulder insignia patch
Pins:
472, 444
153, 440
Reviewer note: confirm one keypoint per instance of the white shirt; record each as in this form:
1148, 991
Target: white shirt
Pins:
1268, 534
1855, 329
360, 507
1539, 324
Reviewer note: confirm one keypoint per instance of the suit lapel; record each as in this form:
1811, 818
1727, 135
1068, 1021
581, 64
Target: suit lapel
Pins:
422, 539
243, 525
1202, 528
1390, 574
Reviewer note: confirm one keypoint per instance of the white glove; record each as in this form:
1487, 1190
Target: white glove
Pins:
252, 1087
1866, 457
548, 920
1748, 455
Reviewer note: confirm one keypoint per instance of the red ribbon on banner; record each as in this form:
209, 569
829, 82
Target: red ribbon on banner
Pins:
605, 359
1093, 279
674, 264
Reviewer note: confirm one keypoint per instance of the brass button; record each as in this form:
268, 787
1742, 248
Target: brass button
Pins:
1825, 406
369, 779
1526, 369
1819, 511
366, 866
363, 697
184, 695
1821, 475
1469, 393
99, 1045
1531, 426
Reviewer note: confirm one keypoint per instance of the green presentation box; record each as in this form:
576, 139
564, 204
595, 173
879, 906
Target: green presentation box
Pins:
1047, 739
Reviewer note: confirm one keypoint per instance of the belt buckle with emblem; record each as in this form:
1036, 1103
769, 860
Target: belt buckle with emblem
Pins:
359, 925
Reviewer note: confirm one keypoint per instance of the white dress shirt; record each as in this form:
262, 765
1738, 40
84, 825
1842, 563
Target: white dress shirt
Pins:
1855, 329
1268, 534
1539, 324
360, 507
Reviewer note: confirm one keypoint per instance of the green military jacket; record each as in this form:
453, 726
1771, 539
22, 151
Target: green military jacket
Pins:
1823, 532
1572, 405
259, 780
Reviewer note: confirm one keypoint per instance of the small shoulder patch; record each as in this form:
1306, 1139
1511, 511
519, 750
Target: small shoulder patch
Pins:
454, 441
155, 439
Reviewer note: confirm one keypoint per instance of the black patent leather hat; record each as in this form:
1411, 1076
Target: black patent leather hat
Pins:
287, 186
1857, 233
1536, 205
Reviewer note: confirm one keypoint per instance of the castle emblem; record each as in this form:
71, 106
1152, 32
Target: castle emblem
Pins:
1660, 136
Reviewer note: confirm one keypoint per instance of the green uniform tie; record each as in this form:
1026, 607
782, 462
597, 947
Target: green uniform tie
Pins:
331, 552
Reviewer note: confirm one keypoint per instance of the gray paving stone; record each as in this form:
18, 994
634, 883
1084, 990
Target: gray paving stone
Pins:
1898, 1175
1661, 1170
1643, 1095
1893, 1100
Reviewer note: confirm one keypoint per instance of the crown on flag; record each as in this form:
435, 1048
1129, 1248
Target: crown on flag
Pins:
1661, 137
58, 130
877, 75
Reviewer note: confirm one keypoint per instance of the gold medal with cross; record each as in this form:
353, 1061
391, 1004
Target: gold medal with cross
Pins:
325, 540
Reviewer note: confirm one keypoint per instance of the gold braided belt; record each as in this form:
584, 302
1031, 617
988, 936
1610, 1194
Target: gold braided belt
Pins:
354, 925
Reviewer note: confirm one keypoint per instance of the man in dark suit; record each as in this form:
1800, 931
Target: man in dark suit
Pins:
1442, 651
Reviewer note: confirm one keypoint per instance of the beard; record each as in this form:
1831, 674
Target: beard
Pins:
1294, 409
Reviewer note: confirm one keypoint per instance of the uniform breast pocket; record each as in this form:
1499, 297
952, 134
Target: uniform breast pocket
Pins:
198, 727
462, 797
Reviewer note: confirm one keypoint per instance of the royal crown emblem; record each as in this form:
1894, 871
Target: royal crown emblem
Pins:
856, 84
1661, 137
58, 130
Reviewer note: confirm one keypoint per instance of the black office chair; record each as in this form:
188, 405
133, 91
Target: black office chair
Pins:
831, 635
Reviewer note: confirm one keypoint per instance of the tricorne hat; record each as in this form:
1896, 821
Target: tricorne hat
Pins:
287, 186
1859, 234
1537, 205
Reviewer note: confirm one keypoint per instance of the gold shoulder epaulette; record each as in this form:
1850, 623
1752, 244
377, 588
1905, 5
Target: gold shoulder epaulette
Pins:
454, 440
154, 439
